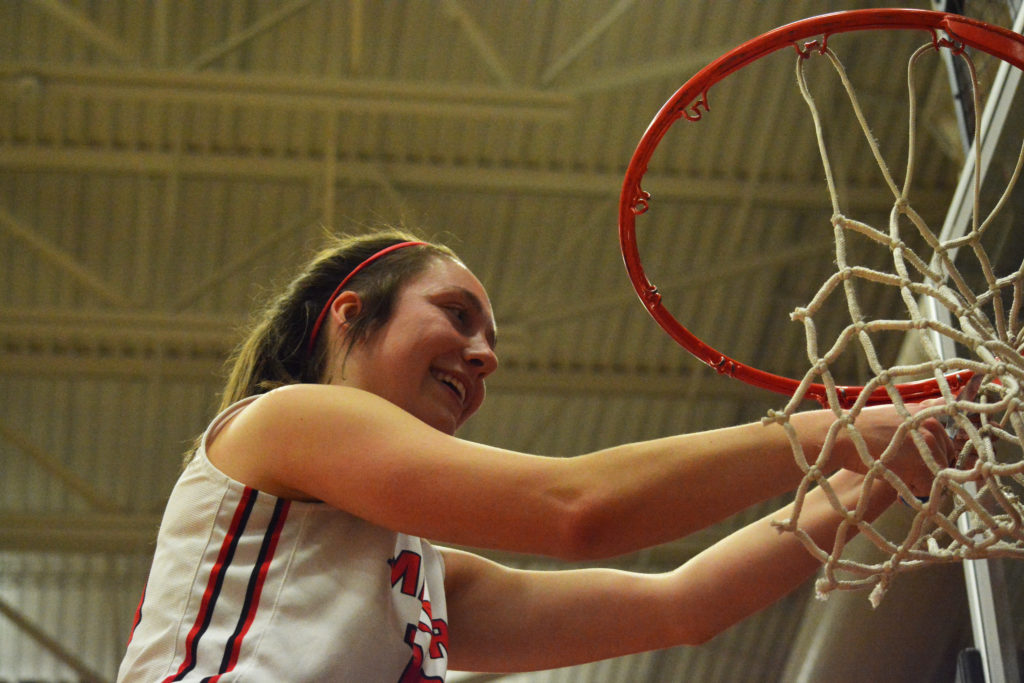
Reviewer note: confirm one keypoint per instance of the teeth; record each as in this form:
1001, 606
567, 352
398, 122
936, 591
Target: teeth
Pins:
453, 382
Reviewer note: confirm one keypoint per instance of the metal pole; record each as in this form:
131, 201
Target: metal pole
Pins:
986, 587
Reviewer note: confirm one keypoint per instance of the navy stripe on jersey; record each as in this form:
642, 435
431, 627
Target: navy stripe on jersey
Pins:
216, 581
253, 590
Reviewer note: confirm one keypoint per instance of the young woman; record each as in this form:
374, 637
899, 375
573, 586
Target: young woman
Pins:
293, 545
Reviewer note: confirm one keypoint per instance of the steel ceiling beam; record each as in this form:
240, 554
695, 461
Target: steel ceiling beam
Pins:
50, 644
240, 38
429, 176
77, 533
67, 263
483, 45
292, 92
82, 26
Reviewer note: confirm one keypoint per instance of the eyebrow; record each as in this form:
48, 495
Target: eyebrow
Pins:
491, 333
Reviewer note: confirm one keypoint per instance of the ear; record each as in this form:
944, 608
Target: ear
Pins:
345, 307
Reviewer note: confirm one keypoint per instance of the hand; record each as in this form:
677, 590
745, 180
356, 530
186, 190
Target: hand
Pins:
878, 426
910, 465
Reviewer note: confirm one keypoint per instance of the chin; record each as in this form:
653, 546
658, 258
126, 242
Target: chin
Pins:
450, 428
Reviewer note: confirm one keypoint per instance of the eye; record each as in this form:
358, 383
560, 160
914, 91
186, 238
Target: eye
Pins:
457, 312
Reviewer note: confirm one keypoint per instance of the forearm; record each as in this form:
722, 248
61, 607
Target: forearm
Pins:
757, 565
508, 620
652, 492
511, 620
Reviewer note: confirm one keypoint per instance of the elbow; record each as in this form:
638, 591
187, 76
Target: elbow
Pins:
586, 515
587, 532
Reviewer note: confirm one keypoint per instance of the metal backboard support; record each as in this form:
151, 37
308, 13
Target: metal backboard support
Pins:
991, 623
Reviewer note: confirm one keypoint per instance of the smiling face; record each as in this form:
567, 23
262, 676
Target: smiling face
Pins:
433, 354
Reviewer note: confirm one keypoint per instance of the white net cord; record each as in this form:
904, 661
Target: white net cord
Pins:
988, 330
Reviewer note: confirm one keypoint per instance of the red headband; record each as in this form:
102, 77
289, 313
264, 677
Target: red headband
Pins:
368, 261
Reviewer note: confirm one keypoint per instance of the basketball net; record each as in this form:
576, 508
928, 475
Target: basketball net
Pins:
985, 484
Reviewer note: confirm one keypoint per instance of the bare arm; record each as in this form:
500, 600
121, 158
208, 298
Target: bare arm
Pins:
512, 620
357, 452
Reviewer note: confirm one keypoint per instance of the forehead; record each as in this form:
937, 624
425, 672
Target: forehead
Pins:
444, 274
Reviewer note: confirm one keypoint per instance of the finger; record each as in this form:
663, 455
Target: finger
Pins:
938, 440
915, 407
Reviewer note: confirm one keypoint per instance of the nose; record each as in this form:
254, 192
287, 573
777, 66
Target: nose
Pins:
481, 355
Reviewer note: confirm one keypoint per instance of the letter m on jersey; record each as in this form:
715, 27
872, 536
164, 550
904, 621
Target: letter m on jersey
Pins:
406, 569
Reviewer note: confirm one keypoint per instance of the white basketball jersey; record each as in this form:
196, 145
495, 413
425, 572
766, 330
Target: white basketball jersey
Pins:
246, 586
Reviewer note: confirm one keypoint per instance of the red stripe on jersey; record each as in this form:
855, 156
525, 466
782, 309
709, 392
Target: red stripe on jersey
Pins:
216, 580
138, 615
255, 589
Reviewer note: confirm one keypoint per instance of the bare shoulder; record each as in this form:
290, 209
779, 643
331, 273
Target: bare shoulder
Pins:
256, 446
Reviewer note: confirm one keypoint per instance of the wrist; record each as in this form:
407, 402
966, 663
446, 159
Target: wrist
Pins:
852, 487
825, 444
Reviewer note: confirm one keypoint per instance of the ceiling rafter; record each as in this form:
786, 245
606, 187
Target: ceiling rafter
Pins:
10, 225
79, 24
52, 645
23, 157
240, 38
159, 49
356, 33
230, 269
544, 276
330, 169
89, 533
689, 280
71, 480
589, 37
480, 42
378, 175
294, 92
680, 68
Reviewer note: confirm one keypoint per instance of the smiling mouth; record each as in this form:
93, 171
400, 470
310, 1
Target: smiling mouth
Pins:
452, 383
